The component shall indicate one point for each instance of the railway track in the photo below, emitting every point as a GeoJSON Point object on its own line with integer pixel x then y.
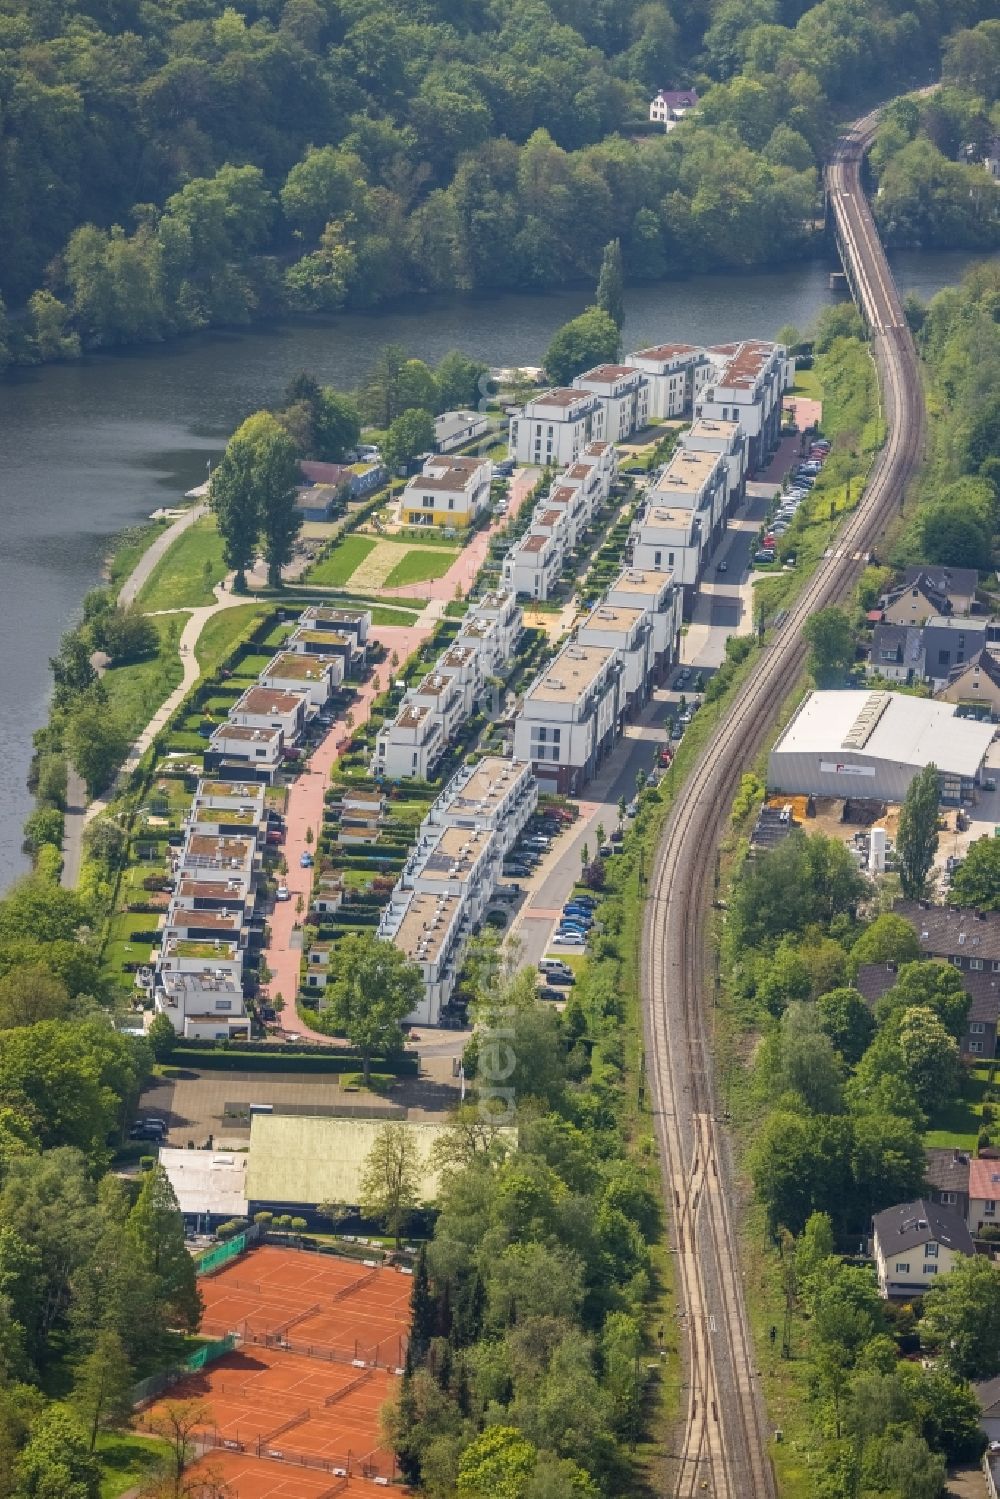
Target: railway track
{"type": "Point", "coordinates": [723, 1450]}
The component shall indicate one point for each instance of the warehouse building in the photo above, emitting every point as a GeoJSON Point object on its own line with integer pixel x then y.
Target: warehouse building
{"type": "Point", "coordinates": [872, 744]}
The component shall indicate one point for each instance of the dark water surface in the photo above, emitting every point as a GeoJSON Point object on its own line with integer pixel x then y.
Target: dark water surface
{"type": "Point", "coordinates": [90, 448]}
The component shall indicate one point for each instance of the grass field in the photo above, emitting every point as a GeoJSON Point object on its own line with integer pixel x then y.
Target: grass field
{"type": "Point", "coordinates": [335, 569]}
{"type": "Point", "coordinates": [957, 1127]}
{"type": "Point", "coordinates": [128, 1462]}
{"type": "Point", "coordinates": [420, 565]}
{"type": "Point", "coordinates": [185, 577]}
{"type": "Point", "coordinates": [221, 633]}
{"type": "Point", "coordinates": [129, 548]}
{"type": "Point", "coordinates": [136, 691]}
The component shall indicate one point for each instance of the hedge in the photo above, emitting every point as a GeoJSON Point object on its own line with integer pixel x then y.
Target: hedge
{"type": "Point", "coordinates": [285, 1059]}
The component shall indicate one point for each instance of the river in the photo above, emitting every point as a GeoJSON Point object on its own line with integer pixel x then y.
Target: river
{"type": "Point", "coordinates": [87, 449]}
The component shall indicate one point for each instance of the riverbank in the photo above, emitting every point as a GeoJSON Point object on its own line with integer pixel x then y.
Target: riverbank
{"type": "Point", "coordinates": [88, 451]}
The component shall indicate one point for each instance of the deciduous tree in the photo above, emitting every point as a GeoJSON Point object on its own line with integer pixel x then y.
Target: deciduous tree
{"type": "Point", "coordinates": [390, 1180]}
{"type": "Point", "coordinates": [102, 1387]}
{"type": "Point", "coordinates": [155, 1230]}
{"type": "Point", "coordinates": [976, 881]}
{"type": "Point", "coordinates": [917, 838]}
{"type": "Point", "coordinates": [961, 1318]}
{"type": "Point", "coordinates": [592, 338]}
{"type": "Point", "coordinates": [371, 987]}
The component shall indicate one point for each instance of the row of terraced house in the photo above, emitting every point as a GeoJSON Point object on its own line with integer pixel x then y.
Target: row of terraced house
{"type": "Point", "coordinates": [213, 920]}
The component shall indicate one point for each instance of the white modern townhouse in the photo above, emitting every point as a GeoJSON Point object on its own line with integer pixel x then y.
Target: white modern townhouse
{"type": "Point", "coordinates": [495, 795]}
{"type": "Point", "coordinates": [493, 626]}
{"type": "Point", "coordinates": [463, 665]}
{"type": "Point", "coordinates": [411, 745]}
{"type": "Point", "coordinates": [570, 717]}
{"type": "Point", "coordinates": [461, 862]}
{"type": "Point", "coordinates": [624, 396]}
{"type": "Point", "coordinates": [265, 708]}
{"type": "Point", "coordinates": [428, 930]}
{"type": "Point", "coordinates": [674, 375]}
{"type": "Point", "coordinates": [626, 629]}
{"type": "Point", "coordinates": [670, 541]}
{"type": "Point", "coordinates": [699, 482]}
{"type": "Point", "coordinates": [206, 1005]}
{"type": "Point", "coordinates": [748, 386]}
{"type": "Point", "coordinates": [727, 440]}
{"type": "Point", "coordinates": [658, 594]}
{"type": "Point", "coordinates": [449, 491]}
{"type": "Point", "coordinates": [236, 753]}
{"type": "Point", "coordinates": [553, 428]}
{"type": "Point", "coordinates": [533, 566]}
{"type": "Point", "coordinates": [300, 671]}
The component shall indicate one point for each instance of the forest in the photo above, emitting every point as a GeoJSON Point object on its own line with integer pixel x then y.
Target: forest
{"type": "Point", "coordinates": [169, 166]}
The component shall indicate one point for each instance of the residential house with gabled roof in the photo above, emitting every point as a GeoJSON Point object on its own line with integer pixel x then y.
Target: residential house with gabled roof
{"type": "Point", "coordinates": [975, 684]}
{"type": "Point", "coordinates": [957, 584]}
{"type": "Point", "coordinates": [914, 1243]}
{"type": "Point", "coordinates": [988, 1395]}
{"type": "Point", "coordinates": [670, 106]}
{"type": "Point", "coordinates": [897, 652]}
{"type": "Point", "coordinates": [946, 1176]}
{"type": "Point", "coordinates": [984, 1194]}
{"type": "Point", "coordinates": [915, 601]}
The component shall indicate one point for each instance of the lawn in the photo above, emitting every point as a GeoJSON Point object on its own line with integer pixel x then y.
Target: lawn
{"type": "Point", "coordinates": [127, 1462]}
{"type": "Point", "coordinates": [957, 1127]}
{"type": "Point", "coordinates": [222, 631]}
{"type": "Point", "coordinates": [336, 568]}
{"type": "Point", "coordinates": [129, 547]}
{"type": "Point", "coordinates": [136, 691]}
{"type": "Point", "coordinates": [420, 565]}
{"type": "Point", "coordinates": [184, 578]}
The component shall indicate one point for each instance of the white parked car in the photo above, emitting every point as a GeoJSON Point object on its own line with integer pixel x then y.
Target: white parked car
{"type": "Point", "coordinates": [281, 893]}
{"type": "Point", "coordinates": [563, 939]}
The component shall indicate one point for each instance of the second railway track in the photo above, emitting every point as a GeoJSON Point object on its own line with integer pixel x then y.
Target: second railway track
{"type": "Point", "coordinates": [723, 1449]}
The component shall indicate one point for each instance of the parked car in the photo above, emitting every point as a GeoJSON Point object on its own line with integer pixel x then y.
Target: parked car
{"type": "Point", "coordinates": [632, 809]}
{"type": "Point", "coordinates": [552, 966]}
{"type": "Point", "coordinates": [766, 554]}
{"type": "Point", "coordinates": [150, 1128]}
{"type": "Point", "coordinates": [569, 939]}
{"type": "Point", "coordinates": [583, 899]}
{"type": "Point", "coordinates": [545, 992]}
{"type": "Point", "coordinates": [507, 892]}
{"type": "Point", "coordinates": [281, 893]}
{"type": "Point", "coordinates": [562, 978]}
{"type": "Point", "coordinates": [579, 914]}
{"type": "Point", "coordinates": [722, 567]}
{"type": "Point", "coordinates": [306, 859]}
{"type": "Point", "coordinates": [573, 928]}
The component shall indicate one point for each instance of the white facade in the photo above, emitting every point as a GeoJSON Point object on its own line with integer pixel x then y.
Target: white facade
{"type": "Point", "coordinates": [553, 428]}
{"type": "Point", "coordinates": [202, 1003]}
{"type": "Point", "coordinates": [454, 861]}
{"type": "Point", "coordinates": [727, 440]}
{"type": "Point", "coordinates": [627, 630]}
{"type": "Point", "coordinates": [570, 717]}
{"type": "Point", "coordinates": [412, 745]}
{"type": "Point", "coordinates": [493, 626]}
{"type": "Point", "coordinates": [748, 387]}
{"type": "Point", "coordinates": [495, 795]}
{"type": "Point", "coordinates": [427, 929]}
{"type": "Point", "coordinates": [294, 671]}
{"type": "Point", "coordinates": [258, 749]}
{"type": "Point", "coordinates": [448, 492]}
{"type": "Point", "coordinates": [463, 665]}
{"type": "Point", "coordinates": [695, 481]}
{"type": "Point", "coordinates": [670, 541]}
{"type": "Point", "coordinates": [657, 593]}
{"type": "Point", "coordinates": [453, 428]}
{"type": "Point", "coordinates": [576, 504]}
{"type": "Point", "coordinates": [624, 397]}
{"type": "Point", "coordinates": [533, 566]}
{"type": "Point", "coordinates": [263, 708]}
{"type": "Point", "coordinates": [670, 371]}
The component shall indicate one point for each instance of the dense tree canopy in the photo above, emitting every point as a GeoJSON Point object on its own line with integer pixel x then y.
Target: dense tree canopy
{"type": "Point", "coordinates": [187, 163]}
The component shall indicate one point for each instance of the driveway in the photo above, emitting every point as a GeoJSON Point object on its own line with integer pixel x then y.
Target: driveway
{"type": "Point", "coordinates": [724, 602]}
{"type": "Point", "coordinates": [551, 883]}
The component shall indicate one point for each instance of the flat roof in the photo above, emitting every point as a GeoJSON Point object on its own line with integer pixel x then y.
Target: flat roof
{"type": "Point", "coordinates": [562, 396]}
{"type": "Point", "coordinates": [454, 854]}
{"type": "Point", "coordinates": [293, 666]}
{"type": "Point", "coordinates": [564, 494]}
{"type": "Point", "coordinates": [412, 715]}
{"type": "Point", "coordinates": [266, 700]}
{"type": "Point", "coordinates": [481, 789]}
{"type": "Point", "coordinates": [567, 678]}
{"type": "Point", "coordinates": [327, 614]}
{"type": "Point", "coordinates": [887, 726]}
{"type": "Point", "coordinates": [610, 374]}
{"type": "Point", "coordinates": [662, 515]}
{"type": "Point", "coordinates": [493, 601]}
{"type": "Point", "coordinates": [213, 921]}
{"type": "Point", "coordinates": [639, 580]}
{"type": "Point", "coordinates": [458, 655]}
{"type": "Point", "coordinates": [241, 733]}
{"type": "Point", "coordinates": [211, 845]}
{"type": "Point", "coordinates": [308, 1160]}
{"type": "Point", "coordinates": [536, 541]}
{"type": "Point", "coordinates": [235, 888]}
{"type": "Point", "coordinates": [617, 618]}
{"type": "Point", "coordinates": [435, 683]}
{"type": "Point", "coordinates": [324, 637]}
{"type": "Point", "coordinates": [663, 353]}
{"type": "Point", "coordinates": [249, 791]}
{"type": "Point", "coordinates": [423, 925]}
{"type": "Point", "coordinates": [207, 1181]}
{"type": "Point", "coordinates": [711, 426]}
{"type": "Point", "coordinates": [688, 469]}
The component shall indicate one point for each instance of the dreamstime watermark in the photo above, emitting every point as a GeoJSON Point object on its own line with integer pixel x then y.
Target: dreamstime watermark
{"type": "Point", "coordinates": [497, 1055]}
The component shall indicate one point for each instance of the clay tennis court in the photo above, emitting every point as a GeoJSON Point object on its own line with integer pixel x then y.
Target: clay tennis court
{"type": "Point", "coordinates": [338, 1308]}
{"type": "Point", "coordinates": [258, 1478]}
{"type": "Point", "coordinates": [294, 1412]}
